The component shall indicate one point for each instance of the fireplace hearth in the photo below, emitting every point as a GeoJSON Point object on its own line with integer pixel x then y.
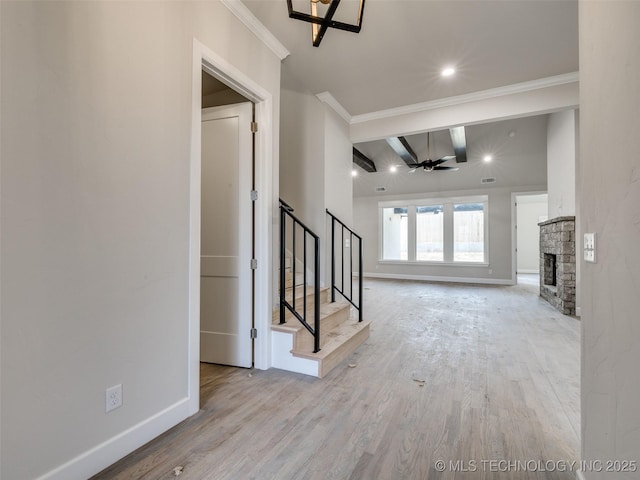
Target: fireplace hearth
{"type": "Point", "coordinates": [558, 263]}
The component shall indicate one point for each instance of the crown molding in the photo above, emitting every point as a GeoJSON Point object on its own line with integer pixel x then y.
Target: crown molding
{"type": "Point", "coordinates": [240, 10]}
{"type": "Point", "coordinates": [469, 97]}
{"type": "Point", "coordinates": [330, 100]}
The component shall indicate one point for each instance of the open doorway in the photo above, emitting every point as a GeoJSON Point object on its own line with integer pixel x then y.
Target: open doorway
{"type": "Point", "coordinates": [226, 231]}
{"type": "Point", "coordinates": [236, 86]}
{"type": "Point", "coordinates": [530, 210]}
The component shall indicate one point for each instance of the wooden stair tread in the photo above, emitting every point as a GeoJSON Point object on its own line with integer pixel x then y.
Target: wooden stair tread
{"type": "Point", "coordinates": [337, 338]}
{"type": "Point", "coordinates": [293, 325]}
{"type": "Point", "coordinates": [300, 291]}
{"type": "Point", "coordinates": [344, 341]}
{"type": "Point", "coordinates": [289, 281]}
{"type": "Point", "coordinates": [324, 296]}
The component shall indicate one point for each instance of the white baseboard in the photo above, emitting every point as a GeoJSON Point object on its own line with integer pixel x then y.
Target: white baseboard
{"type": "Point", "coordinates": [524, 270]}
{"type": "Point", "coordinates": [431, 278]}
{"type": "Point", "coordinates": [101, 456]}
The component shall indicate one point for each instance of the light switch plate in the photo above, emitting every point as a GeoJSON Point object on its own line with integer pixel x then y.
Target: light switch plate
{"type": "Point", "coordinates": [589, 247]}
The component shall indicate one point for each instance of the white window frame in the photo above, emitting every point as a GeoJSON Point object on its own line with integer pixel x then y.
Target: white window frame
{"type": "Point", "coordinates": [447, 203]}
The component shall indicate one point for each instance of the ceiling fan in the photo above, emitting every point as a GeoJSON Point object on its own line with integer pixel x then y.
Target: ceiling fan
{"type": "Point", "coordinates": [429, 165]}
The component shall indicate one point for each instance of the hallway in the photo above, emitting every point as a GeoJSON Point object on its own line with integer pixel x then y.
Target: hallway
{"type": "Point", "coordinates": [471, 375]}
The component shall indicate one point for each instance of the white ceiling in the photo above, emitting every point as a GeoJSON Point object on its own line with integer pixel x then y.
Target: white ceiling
{"type": "Point", "coordinates": [396, 61]}
{"type": "Point", "coordinates": [518, 160]}
{"type": "Point", "coordinates": [397, 57]}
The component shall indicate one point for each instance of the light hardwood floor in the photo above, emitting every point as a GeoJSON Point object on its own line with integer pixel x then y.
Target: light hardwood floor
{"type": "Point", "coordinates": [456, 373]}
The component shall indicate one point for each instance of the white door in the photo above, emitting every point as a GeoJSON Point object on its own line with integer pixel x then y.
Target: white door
{"type": "Point", "coordinates": [226, 236]}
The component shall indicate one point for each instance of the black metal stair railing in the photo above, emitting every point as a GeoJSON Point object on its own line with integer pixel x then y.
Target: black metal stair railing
{"type": "Point", "coordinates": [341, 288]}
{"type": "Point", "coordinates": [298, 252]}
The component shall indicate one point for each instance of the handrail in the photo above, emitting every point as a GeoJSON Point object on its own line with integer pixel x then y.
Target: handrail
{"type": "Point", "coordinates": [334, 287]}
{"type": "Point", "coordinates": [286, 211]}
{"type": "Point", "coordinates": [286, 205]}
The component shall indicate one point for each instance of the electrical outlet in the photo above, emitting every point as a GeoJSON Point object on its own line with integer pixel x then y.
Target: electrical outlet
{"type": "Point", "coordinates": [113, 398]}
{"type": "Point", "coordinates": [347, 243]}
{"type": "Point", "coordinates": [589, 247]}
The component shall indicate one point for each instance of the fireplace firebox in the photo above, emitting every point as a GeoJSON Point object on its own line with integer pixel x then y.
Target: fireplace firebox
{"type": "Point", "coordinates": [549, 270]}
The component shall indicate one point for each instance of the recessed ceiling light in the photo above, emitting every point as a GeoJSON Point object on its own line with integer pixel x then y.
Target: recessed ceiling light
{"type": "Point", "coordinates": [448, 71]}
{"type": "Point", "coordinates": [393, 169]}
{"type": "Point", "coordinates": [487, 158]}
{"type": "Point", "coordinates": [354, 173]}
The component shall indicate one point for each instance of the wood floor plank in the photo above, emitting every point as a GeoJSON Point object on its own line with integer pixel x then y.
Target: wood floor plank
{"type": "Point", "coordinates": [457, 373]}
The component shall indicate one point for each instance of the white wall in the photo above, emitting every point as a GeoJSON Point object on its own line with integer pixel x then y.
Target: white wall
{"type": "Point", "coordinates": [561, 163]}
{"type": "Point", "coordinates": [96, 110]}
{"type": "Point", "coordinates": [338, 163]}
{"type": "Point", "coordinates": [610, 207]}
{"type": "Point", "coordinates": [529, 210]}
{"type": "Point", "coordinates": [302, 170]}
{"type": "Point", "coordinates": [500, 260]}
{"type": "Point", "coordinates": [315, 164]}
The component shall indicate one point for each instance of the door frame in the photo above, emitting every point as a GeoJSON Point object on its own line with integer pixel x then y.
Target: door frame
{"type": "Point", "coordinates": [216, 66]}
{"type": "Point", "coordinates": [514, 233]}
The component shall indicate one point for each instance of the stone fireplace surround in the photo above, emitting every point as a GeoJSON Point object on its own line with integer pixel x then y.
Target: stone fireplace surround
{"type": "Point", "coordinates": [558, 263]}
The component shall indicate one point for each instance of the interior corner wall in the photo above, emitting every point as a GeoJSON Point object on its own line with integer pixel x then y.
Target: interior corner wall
{"type": "Point", "coordinates": [561, 163]}
{"type": "Point", "coordinates": [578, 187]}
{"type": "Point", "coordinates": [338, 191]}
{"type": "Point", "coordinates": [338, 164]}
{"type": "Point", "coordinates": [315, 163]}
{"type": "Point", "coordinates": [96, 143]}
{"type": "Point", "coordinates": [610, 207]}
{"type": "Point", "coordinates": [302, 172]}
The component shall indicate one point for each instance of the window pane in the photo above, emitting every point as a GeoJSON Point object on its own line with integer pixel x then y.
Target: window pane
{"type": "Point", "coordinates": [429, 233]}
{"type": "Point", "coordinates": [394, 233]}
{"type": "Point", "coordinates": [468, 232]}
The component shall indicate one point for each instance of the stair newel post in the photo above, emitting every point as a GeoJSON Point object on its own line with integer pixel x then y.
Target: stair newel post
{"type": "Point", "coordinates": [316, 287]}
{"type": "Point", "coordinates": [350, 263]}
{"type": "Point", "coordinates": [342, 289]}
{"type": "Point", "coordinates": [333, 259]}
{"type": "Point", "coordinates": [360, 280]}
{"type": "Point", "coordinates": [282, 263]}
{"type": "Point", "coordinates": [304, 276]}
{"type": "Point", "coordinates": [293, 264]}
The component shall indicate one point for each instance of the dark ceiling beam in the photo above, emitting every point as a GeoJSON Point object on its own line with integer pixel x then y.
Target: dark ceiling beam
{"type": "Point", "coordinates": [403, 150]}
{"type": "Point", "coordinates": [363, 161]}
{"type": "Point", "coordinates": [459, 140]}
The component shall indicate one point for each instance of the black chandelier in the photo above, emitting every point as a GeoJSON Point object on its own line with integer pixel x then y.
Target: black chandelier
{"type": "Point", "coordinates": [319, 25]}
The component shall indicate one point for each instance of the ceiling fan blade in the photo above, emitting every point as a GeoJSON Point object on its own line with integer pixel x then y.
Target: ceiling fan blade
{"type": "Point", "coordinates": [446, 159]}
{"type": "Point", "coordinates": [444, 168]}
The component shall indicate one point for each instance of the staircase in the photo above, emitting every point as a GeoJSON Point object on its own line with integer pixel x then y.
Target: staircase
{"type": "Point", "coordinates": [312, 333]}
{"type": "Point", "coordinates": [340, 332]}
